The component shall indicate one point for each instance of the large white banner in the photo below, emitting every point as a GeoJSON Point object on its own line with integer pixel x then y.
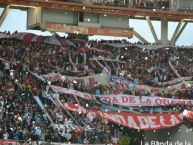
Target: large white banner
{"type": "Point", "coordinates": [129, 100]}
{"type": "Point", "coordinates": [170, 89]}
{"type": "Point", "coordinates": [72, 92]}
{"type": "Point", "coordinates": [126, 100]}
{"type": "Point", "coordinates": [175, 81]}
{"type": "Point", "coordinates": [100, 78]}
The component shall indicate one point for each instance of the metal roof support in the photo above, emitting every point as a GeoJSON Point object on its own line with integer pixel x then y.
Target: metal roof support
{"type": "Point", "coordinates": [4, 14]}
{"type": "Point", "coordinates": [177, 31]}
{"type": "Point", "coordinates": [141, 38]}
{"type": "Point", "coordinates": [152, 29]}
{"type": "Point", "coordinates": [180, 32]}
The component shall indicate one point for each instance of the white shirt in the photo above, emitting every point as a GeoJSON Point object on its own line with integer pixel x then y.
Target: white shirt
{"type": "Point", "coordinates": [38, 131]}
{"type": "Point", "coordinates": [6, 66]}
{"type": "Point", "coordinates": [5, 135]}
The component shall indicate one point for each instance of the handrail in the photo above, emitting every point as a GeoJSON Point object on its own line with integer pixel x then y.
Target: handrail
{"type": "Point", "coordinates": [24, 142]}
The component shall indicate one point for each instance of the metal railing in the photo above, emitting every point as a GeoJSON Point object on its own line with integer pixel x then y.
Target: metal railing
{"type": "Point", "coordinates": [23, 142]}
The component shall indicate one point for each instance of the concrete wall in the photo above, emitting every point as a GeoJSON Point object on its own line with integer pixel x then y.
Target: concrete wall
{"type": "Point", "coordinates": [33, 16]}
{"type": "Point", "coordinates": [177, 4]}
{"type": "Point", "coordinates": [114, 21]}
{"type": "Point", "coordinates": [59, 16]}
{"type": "Point", "coordinates": [185, 3]}
{"type": "Point", "coordinates": [42, 15]}
{"type": "Point", "coordinates": [82, 24]}
{"type": "Point", "coordinates": [91, 18]}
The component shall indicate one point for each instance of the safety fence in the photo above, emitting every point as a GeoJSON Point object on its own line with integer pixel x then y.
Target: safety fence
{"type": "Point", "coordinates": [24, 142]}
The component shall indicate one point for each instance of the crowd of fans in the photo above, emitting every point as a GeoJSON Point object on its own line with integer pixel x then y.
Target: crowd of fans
{"type": "Point", "coordinates": [161, 4]}
{"type": "Point", "coordinates": [150, 4]}
{"type": "Point", "coordinates": [151, 66]}
{"type": "Point", "coordinates": [21, 118]}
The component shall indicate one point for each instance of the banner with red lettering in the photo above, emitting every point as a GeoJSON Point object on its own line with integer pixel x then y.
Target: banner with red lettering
{"type": "Point", "coordinates": [137, 121]}
{"type": "Point", "coordinates": [128, 100]}
{"type": "Point", "coordinates": [143, 121]}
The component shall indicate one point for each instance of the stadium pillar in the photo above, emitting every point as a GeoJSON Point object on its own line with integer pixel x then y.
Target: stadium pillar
{"type": "Point", "coordinates": [156, 4]}
{"type": "Point", "coordinates": [164, 31]}
{"type": "Point", "coordinates": [4, 14]}
{"type": "Point", "coordinates": [130, 2]}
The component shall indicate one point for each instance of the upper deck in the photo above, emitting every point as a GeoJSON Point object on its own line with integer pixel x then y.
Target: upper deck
{"type": "Point", "coordinates": [155, 9]}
